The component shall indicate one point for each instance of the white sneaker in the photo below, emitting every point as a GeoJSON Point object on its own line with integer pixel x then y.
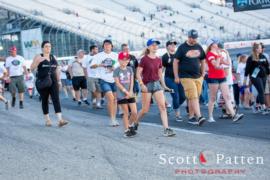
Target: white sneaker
{"type": "Point", "coordinates": [211, 119]}
{"type": "Point", "coordinates": [114, 123]}
{"type": "Point", "coordinates": [117, 123]}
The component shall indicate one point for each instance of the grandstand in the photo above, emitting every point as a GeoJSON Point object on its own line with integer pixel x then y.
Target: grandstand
{"type": "Point", "coordinates": [132, 21]}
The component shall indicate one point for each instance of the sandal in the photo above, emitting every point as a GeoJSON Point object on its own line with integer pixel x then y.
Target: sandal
{"type": "Point", "coordinates": [48, 123]}
{"type": "Point", "coordinates": [62, 123]}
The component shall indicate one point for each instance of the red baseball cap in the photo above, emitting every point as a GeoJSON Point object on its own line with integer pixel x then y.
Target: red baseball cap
{"type": "Point", "coordinates": [123, 56]}
{"type": "Point", "coordinates": [13, 48]}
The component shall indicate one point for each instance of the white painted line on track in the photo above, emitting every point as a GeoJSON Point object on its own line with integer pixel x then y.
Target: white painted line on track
{"type": "Point", "coordinates": [177, 129]}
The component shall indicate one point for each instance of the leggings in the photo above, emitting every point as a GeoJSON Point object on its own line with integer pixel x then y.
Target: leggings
{"type": "Point", "coordinates": [52, 91]}
{"type": "Point", "coordinates": [259, 83]}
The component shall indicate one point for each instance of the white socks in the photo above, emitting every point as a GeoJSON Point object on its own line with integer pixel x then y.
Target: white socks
{"type": "Point", "coordinates": [59, 116]}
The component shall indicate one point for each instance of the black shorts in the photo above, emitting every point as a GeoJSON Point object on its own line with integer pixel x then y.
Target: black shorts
{"type": "Point", "coordinates": [127, 101]}
{"type": "Point", "coordinates": [79, 83]}
{"type": "Point", "coordinates": [216, 81]}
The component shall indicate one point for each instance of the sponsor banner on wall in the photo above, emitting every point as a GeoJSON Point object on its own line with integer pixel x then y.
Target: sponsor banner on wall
{"type": "Point", "coordinates": [247, 5]}
{"type": "Point", "coordinates": [31, 41]}
{"type": "Point", "coordinates": [245, 44]}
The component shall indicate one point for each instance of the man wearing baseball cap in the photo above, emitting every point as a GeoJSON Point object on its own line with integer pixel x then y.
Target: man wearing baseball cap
{"type": "Point", "coordinates": [16, 69]}
{"type": "Point", "coordinates": [189, 69]}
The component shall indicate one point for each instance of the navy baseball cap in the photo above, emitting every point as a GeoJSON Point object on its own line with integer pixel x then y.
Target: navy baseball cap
{"type": "Point", "coordinates": [193, 34]}
{"type": "Point", "coordinates": [152, 41]}
{"type": "Point", "coordinates": [171, 42]}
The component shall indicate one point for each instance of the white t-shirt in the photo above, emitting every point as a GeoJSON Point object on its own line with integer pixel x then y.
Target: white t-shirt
{"type": "Point", "coordinates": [92, 73]}
{"type": "Point", "coordinates": [15, 65]}
{"type": "Point", "coordinates": [108, 61]}
{"type": "Point", "coordinates": [76, 67]}
{"type": "Point", "coordinates": [2, 70]}
{"type": "Point", "coordinates": [63, 74]}
{"type": "Point", "coordinates": [241, 71]}
{"type": "Point", "coordinates": [29, 80]}
{"type": "Point", "coordinates": [230, 76]}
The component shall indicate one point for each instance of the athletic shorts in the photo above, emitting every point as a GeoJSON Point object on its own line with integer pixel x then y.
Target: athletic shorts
{"type": "Point", "coordinates": [127, 101]}
{"type": "Point", "coordinates": [106, 86]}
{"type": "Point", "coordinates": [192, 87]}
{"type": "Point", "coordinates": [17, 83]}
{"type": "Point", "coordinates": [216, 81]}
{"type": "Point", "coordinates": [79, 83]}
{"type": "Point", "coordinates": [93, 84]}
{"type": "Point", "coordinates": [153, 87]}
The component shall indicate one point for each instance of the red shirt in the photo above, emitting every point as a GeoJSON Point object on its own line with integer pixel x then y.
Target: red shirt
{"type": "Point", "coordinates": [150, 69]}
{"type": "Point", "coordinates": [213, 72]}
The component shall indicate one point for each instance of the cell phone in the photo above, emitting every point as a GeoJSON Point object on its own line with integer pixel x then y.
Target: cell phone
{"type": "Point", "coordinates": [170, 90]}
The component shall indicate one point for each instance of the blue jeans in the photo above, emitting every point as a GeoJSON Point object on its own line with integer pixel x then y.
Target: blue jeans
{"type": "Point", "coordinates": [178, 97]}
{"type": "Point", "coordinates": [204, 95]}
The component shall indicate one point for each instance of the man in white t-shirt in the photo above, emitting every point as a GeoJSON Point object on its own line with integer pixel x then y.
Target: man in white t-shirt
{"type": "Point", "coordinates": [3, 74]}
{"type": "Point", "coordinates": [66, 81]}
{"type": "Point", "coordinates": [79, 82]}
{"type": "Point", "coordinates": [16, 68]}
{"type": "Point", "coordinates": [92, 77]}
{"type": "Point", "coordinates": [105, 62]}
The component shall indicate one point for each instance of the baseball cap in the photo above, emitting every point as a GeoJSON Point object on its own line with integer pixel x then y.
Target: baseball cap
{"type": "Point", "coordinates": [211, 41]}
{"type": "Point", "coordinates": [107, 41]}
{"type": "Point", "coordinates": [193, 34]}
{"type": "Point", "coordinates": [152, 41]}
{"type": "Point", "coordinates": [123, 56]}
{"type": "Point", "coordinates": [80, 50]}
{"type": "Point", "coordinates": [171, 42]}
{"type": "Point", "coordinates": [13, 48]}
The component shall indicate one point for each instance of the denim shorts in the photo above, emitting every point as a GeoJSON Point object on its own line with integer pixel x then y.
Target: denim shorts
{"type": "Point", "coordinates": [106, 86]}
{"type": "Point", "coordinates": [216, 81]}
{"type": "Point", "coordinates": [153, 87]}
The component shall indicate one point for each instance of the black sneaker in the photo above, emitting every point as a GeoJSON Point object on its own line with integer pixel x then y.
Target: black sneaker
{"type": "Point", "coordinates": [132, 130]}
{"type": "Point", "coordinates": [135, 126]}
{"type": "Point", "coordinates": [178, 119]}
{"type": "Point", "coordinates": [31, 97]}
{"type": "Point", "coordinates": [86, 102]}
{"type": "Point", "coordinates": [13, 102]}
{"type": "Point", "coordinates": [237, 117]}
{"type": "Point", "coordinates": [201, 120]}
{"type": "Point", "coordinates": [21, 105]}
{"type": "Point", "coordinates": [79, 103]}
{"type": "Point", "coordinates": [128, 133]}
{"type": "Point", "coordinates": [225, 116]}
{"type": "Point", "coordinates": [193, 121]}
{"type": "Point", "coordinates": [74, 99]}
{"type": "Point", "coordinates": [168, 132]}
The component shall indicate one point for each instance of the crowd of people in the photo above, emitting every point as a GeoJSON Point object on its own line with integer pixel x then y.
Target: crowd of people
{"type": "Point", "coordinates": [188, 72]}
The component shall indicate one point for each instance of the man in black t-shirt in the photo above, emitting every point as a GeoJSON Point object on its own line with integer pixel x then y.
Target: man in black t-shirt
{"type": "Point", "coordinates": [189, 69]}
